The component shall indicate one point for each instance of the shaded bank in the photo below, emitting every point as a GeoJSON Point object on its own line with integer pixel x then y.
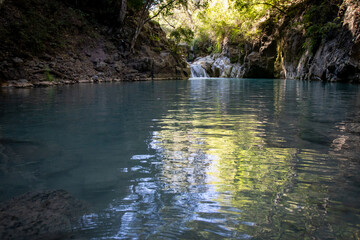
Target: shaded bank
{"type": "Point", "coordinates": [51, 42]}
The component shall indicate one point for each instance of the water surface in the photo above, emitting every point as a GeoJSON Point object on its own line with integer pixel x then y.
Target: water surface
{"type": "Point", "coordinates": [198, 159]}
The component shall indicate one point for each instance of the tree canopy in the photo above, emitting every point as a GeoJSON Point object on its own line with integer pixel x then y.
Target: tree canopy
{"type": "Point", "coordinates": [207, 24]}
{"type": "Point", "coordinates": [219, 21]}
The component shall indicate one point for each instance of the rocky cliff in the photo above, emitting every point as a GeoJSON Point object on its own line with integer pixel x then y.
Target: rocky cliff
{"type": "Point", "coordinates": [337, 56]}
{"type": "Point", "coordinates": [316, 40]}
{"type": "Point", "coordinates": [50, 42]}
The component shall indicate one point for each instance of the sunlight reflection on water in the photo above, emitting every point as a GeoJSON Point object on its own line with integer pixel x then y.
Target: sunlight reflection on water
{"type": "Point", "coordinates": [199, 159]}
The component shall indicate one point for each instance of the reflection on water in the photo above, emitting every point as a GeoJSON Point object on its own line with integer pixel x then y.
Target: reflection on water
{"type": "Point", "coordinates": [200, 159]}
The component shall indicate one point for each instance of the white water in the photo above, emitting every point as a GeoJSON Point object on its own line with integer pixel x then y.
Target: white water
{"type": "Point", "coordinates": [217, 66]}
{"type": "Point", "coordinates": [197, 71]}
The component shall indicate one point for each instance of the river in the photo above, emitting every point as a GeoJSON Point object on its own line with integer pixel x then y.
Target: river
{"type": "Point", "coordinates": [197, 159]}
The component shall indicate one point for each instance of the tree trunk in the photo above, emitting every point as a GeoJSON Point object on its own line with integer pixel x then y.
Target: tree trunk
{"type": "Point", "coordinates": [141, 22]}
{"type": "Point", "coordinates": [144, 18]}
{"type": "Point", "coordinates": [122, 13]}
{"type": "Point", "coordinates": [136, 35]}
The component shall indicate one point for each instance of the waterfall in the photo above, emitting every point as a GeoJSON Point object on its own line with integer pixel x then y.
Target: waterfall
{"type": "Point", "coordinates": [216, 65]}
{"type": "Point", "coordinates": [197, 71]}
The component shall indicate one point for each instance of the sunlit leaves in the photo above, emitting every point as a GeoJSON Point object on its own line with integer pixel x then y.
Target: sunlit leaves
{"type": "Point", "coordinates": [181, 33]}
{"type": "Point", "coordinates": [216, 20]}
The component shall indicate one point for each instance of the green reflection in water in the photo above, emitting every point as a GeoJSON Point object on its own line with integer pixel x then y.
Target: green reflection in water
{"type": "Point", "coordinates": [279, 192]}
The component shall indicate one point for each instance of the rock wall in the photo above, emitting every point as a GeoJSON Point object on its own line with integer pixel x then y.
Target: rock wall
{"type": "Point", "coordinates": [337, 59]}
{"type": "Point", "coordinates": [284, 51]}
{"type": "Point", "coordinates": [84, 51]}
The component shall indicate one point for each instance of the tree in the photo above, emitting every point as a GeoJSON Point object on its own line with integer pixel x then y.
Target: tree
{"type": "Point", "coordinates": [217, 23]}
{"type": "Point", "coordinates": [278, 5]}
{"type": "Point", "coordinates": [122, 13]}
{"type": "Point", "coordinates": [159, 6]}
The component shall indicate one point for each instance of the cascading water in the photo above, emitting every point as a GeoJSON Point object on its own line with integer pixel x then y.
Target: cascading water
{"type": "Point", "coordinates": [216, 66]}
{"type": "Point", "coordinates": [197, 71]}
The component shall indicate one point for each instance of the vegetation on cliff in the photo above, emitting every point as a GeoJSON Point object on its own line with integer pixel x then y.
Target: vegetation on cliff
{"type": "Point", "coordinates": [273, 38]}
{"type": "Point", "coordinates": [270, 30]}
{"type": "Point", "coordinates": [212, 24]}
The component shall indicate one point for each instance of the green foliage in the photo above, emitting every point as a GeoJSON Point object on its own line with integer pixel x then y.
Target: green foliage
{"type": "Point", "coordinates": [220, 21]}
{"type": "Point", "coordinates": [157, 49]}
{"type": "Point", "coordinates": [48, 76]}
{"type": "Point", "coordinates": [319, 14]}
{"type": "Point", "coordinates": [182, 34]}
{"type": "Point", "coordinates": [321, 23]}
{"type": "Point", "coordinates": [154, 37]}
{"type": "Point", "coordinates": [203, 44]}
{"type": "Point", "coordinates": [259, 7]}
{"type": "Point", "coordinates": [218, 48]}
{"type": "Point", "coordinates": [178, 37]}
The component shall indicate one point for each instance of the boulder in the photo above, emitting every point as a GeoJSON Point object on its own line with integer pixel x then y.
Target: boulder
{"type": "Point", "coordinates": [206, 63]}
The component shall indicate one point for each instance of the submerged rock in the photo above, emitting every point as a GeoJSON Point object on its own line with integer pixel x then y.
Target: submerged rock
{"type": "Point", "coordinates": [348, 140]}
{"type": "Point", "coordinates": [40, 215]}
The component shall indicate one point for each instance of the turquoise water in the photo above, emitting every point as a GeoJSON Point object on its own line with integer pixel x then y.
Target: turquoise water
{"type": "Point", "coordinates": [197, 159]}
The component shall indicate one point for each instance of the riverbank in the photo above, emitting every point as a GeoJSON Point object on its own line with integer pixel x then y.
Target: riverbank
{"type": "Point", "coordinates": [23, 83]}
{"type": "Point", "coordinates": [47, 43]}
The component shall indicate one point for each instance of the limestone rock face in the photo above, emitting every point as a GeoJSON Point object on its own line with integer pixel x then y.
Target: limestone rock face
{"type": "Point", "coordinates": [257, 66]}
{"type": "Point", "coordinates": [285, 51]}
{"type": "Point", "coordinates": [39, 215]}
{"type": "Point", "coordinates": [282, 52]}
{"type": "Point", "coordinates": [336, 59]}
